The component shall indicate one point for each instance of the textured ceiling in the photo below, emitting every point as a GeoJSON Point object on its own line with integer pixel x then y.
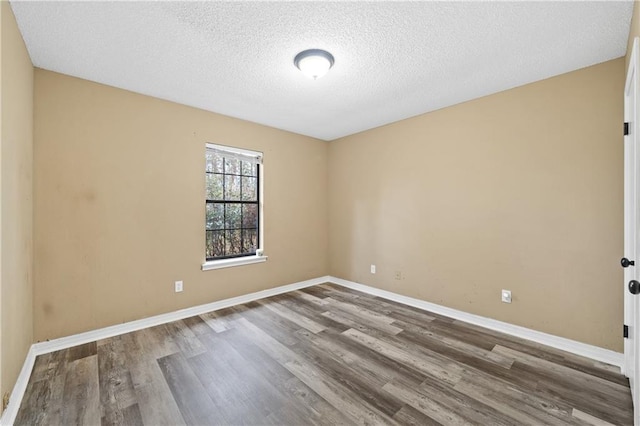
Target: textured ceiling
{"type": "Point", "coordinates": [393, 60]}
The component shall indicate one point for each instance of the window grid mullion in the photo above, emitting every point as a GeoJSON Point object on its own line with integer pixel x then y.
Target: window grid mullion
{"type": "Point", "coordinates": [225, 232]}
{"type": "Point", "coordinates": [241, 212]}
{"type": "Point", "coordinates": [224, 207]}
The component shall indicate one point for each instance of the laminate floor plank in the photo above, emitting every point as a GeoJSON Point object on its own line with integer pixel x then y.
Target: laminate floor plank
{"type": "Point", "coordinates": [185, 338]}
{"type": "Point", "coordinates": [425, 405]}
{"type": "Point", "coordinates": [316, 291]}
{"type": "Point", "coordinates": [131, 416]}
{"type": "Point", "coordinates": [321, 355]}
{"type": "Point", "coordinates": [233, 401]}
{"type": "Point", "coordinates": [311, 310]}
{"type": "Point", "coordinates": [456, 331]}
{"type": "Point", "coordinates": [410, 416]}
{"type": "Point", "coordinates": [561, 373]}
{"type": "Point", "coordinates": [557, 356]}
{"type": "Point", "coordinates": [293, 316]}
{"type": "Point", "coordinates": [50, 365]}
{"type": "Point", "coordinates": [216, 321]}
{"type": "Point", "coordinates": [260, 388]}
{"type": "Point", "coordinates": [157, 341]}
{"type": "Point", "coordinates": [438, 349]}
{"type": "Point", "coordinates": [155, 401]}
{"type": "Point", "coordinates": [447, 372]}
{"type": "Point", "coordinates": [329, 388]}
{"type": "Point", "coordinates": [81, 393]}
{"type": "Point", "coordinates": [349, 320]}
{"type": "Point", "coordinates": [315, 408]}
{"type": "Point", "coordinates": [378, 305]}
{"type": "Point", "coordinates": [472, 409]}
{"type": "Point", "coordinates": [452, 347]}
{"type": "Point", "coordinates": [352, 356]}
{"type": "Point", "coordinates": [280, 328]}
{"type": "Point", "coordinates": [45, 392]}
{"type": "Point", "coordinates": [307, 297]}
{"type": "Point", "coordinates": [192, 399]}
{"type": "Point", "coordinates": [594, 421]}
{"type": "Point", "coordinates": [525, 408]}
{"type": "Point", "coordinates": [368, 387]}
{"type": "Point", "coordinates": [367, 360]}
{"type": "Point", "coordinates": [197, 325]}
{"type": "Point", "coordinates": [43, 407]}
{"type": "Point", "coordinates": [361, 312]}
{"type": "Point", "coordinates": [585, 402]}
{"type": "Point", "coordinates": [412, 318]}
{"type": "Point", "coordinates": [320, 411]}
{"type": "Point", "coordinates": [81, 351]}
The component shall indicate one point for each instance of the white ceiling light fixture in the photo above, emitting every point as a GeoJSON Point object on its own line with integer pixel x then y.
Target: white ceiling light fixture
{"type": "Point", "coordinates": [314, 63]}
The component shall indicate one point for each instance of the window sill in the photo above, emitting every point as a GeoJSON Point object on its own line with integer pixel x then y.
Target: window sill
{"type": "Point", "coordinates": [228, 263]}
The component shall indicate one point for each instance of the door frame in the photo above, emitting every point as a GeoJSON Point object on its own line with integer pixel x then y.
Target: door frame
{"type": "Point", "coordinates": [631, 366]}
{"type": "Point", "coordinates": [629, 176]}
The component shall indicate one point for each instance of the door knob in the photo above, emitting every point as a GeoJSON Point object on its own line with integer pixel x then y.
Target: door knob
{"type": "Point", "coordinates": [634, 287]}
{"type": "Point", "coordinates": [626, 262]}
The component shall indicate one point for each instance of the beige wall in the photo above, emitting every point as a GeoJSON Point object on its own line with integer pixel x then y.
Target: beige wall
{"type": "Point", "coordinates": [520, 190]}
{"type": "Point", "coordinates": [119, 206]}
{"type": "Point", "coordinates": [16, 200]}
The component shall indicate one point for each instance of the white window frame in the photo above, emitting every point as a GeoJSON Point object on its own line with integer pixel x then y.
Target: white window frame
{"type": "Point", "coordinates": [259, 257]}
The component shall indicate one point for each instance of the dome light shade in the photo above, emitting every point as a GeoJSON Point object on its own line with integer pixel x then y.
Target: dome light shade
{"type": "Point", "coordinates": [314, 63]}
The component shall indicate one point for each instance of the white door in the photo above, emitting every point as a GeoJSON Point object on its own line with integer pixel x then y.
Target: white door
{"type": "Point", "coordinates": [630, 261]}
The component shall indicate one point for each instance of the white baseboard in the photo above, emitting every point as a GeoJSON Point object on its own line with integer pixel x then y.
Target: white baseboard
{"type": "Point", "coordinates": [9, 416]}
{"type": "Point", "coordinates": [572, 346]}
{"type": "Point", "coordinates": [115, 330]}
{"type": "Point", "coordinates": [568, 345]}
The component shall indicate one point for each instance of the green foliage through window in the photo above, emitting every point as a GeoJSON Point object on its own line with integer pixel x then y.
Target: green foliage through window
{"type": "Point", "coordinates": [232, 206]}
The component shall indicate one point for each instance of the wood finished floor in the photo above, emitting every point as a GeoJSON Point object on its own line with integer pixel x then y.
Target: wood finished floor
{"type": "Point", "coordinates": [322, 355]}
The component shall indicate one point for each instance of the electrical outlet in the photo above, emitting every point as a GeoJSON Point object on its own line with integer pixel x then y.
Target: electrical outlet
{"type": "Point", "coordinates": [178, 286]}
{"type": "Point", "coordinates": [373, 269]}
{"type": "Point", "coordinates": [506, 296]}
{"type": "Point", "coordinates": [5, 401]}
{"type": "Point", "coordinates": [398, 275]}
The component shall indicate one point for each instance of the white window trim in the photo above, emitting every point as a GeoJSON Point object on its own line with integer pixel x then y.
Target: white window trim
{"type": "Point", "coordinates": [234, 261]}
{"type": "Point", "coordinates": [259, 257]}
{"type": "Point", "coordinates": [242, 154]}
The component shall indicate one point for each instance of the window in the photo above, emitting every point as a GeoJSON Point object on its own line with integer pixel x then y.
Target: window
{"type": "Point", "coordinates": [233, 206]}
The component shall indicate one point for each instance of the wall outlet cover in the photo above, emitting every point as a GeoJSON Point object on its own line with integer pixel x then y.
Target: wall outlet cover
{"type": "Point", "coordinates": [506, 296]}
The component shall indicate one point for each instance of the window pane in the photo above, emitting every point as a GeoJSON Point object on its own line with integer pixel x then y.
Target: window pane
{"type": "Point", "coordinates": [232, 166]}
{"type": "Point", "coordinates": [233, 219]}
{"type": "Point", "coordinates": [232, 187]}
{"type": "Point", "coordinates": [215, 216]}
{"type": "Point", "coordinates": [215, 244]}
{"type": "Point", "coordinates": [231, 226]}
{"type": "Point", "coordinates": [250, 216]}
{"type": "Point", "coordinates": [234, 245]}
{"type": "Point", "coordinates": [209, 162]}
{"type": "Point", "coordinates": [248, 169]}
{"type": "Point", "coordinates": [214, 186]}
{"type": "Point", "coordinates": [214, 163]}
{"type": "Point", "coordinates": [249, 240]}
{"type": "Point", "coordinates": [249, 189]}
